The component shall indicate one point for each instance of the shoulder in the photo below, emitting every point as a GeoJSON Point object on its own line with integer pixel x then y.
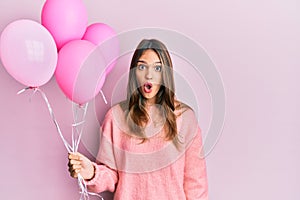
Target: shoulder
{"type": "Point", "coordinates": [115, 110]}
{"type": "Point", "coordinates": [115, 118]}
{"type": "Point", "coordinates": [186, 119]}
{"type": "Point", "coordinates": [182, 108]}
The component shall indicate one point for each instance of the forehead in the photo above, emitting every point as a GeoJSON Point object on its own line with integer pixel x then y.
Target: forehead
{"type": "Point", "coordinates": [149, 56]}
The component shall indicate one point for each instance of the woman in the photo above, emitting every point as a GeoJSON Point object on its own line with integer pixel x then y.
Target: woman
{"type": "Point", "coordinates": [150, 144]}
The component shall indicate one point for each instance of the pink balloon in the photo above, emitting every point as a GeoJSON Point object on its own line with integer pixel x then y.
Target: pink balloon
{"type": "Point", "coordinates": [80, 70]}
{"type": "Point", "coordinates": [28, 52]}
{"type": "Point", "coordinates": [65, 19]}
{"type": "Point", "coordinates": [105, 37]}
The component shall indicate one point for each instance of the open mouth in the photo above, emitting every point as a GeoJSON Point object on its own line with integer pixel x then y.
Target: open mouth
{"type": "Point", "coordinates": [147, 87]}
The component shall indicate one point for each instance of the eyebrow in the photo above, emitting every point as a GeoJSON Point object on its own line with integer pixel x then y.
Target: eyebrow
{"type": "Point", "coordinates": [142, 61]}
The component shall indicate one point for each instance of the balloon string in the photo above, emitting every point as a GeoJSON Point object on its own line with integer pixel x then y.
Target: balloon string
{"type": "Point", "coordinates": [84, 193]}
{"type": "Point", "coordinates": [79, 120]}
{"type": "Point", "coordinates": [82, 185]}
{"type": "Point", "coordinates": [76, 124]}
{"type": "Point", "coordinates": [103, 96]}
{"type": "Point", "coordinates": [74, 129]}
{"type": "Point", "coordinates": [36, 89]}
{"type": "Point", "coordinates": [84, 115]}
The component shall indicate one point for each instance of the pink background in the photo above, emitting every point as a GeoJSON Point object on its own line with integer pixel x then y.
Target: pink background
{"type": "Point", "coordinates": [256, 48]}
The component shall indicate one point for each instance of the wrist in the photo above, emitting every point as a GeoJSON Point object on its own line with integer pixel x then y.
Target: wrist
{"type": "Point", "coordinates": [92, 174]}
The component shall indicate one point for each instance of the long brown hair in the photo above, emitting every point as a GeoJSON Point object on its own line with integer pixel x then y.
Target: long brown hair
{"type": "Point", "coordinates": [136, 114]}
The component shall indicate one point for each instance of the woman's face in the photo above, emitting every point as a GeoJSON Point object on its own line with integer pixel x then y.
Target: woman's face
{"type": "Point", "coordinates": [149, 75]}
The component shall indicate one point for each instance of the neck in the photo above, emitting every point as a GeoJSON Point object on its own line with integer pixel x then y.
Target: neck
{"type": "Point", "coordinates": [150, 102]}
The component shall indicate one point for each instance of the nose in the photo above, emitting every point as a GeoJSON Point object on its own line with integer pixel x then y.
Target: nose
{"type": "Point", "coordinates": [149, 74]}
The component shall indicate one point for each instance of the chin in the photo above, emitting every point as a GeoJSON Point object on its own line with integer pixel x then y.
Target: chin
{"type": "Point", "coordinates": [149, 97]}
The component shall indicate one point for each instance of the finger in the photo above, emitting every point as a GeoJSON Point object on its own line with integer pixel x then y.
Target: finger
{"type": "Point", "coordinates": [75, 173]}
{"type": "Point", "coordinates": [78, 154]}
{"type": "Point", "coordinates": [74, 156]}
{"type": "Point", "coordinates": [74, 162]}
{"type": "Point", "coordinates": [73, 168]}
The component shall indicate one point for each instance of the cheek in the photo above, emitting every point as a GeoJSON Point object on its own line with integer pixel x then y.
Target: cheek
{"type": "Point", "coordinates": [157, 89]}
{"type": "Point", "coordinates": [138, 77]}
{"type": "Point", "coordinates": [158, 78]}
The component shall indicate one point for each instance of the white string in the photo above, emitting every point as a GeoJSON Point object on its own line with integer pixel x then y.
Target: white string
{"type": "Point", "coordinates": [68, 147]}
{"type": "Point", "coordinates": [103, 96]}
{"type": "Point", "coordinates": [77, 123]}
{"type": "Point", "coordinates": [79, 120]}
{"type": "Point", "coordinates": [23, 90]}
{"type": "Point", "coordinates": [84, 193]}
{"type": "Point", "coordinates": [74, 128]}
{"type": "Point", "coordinates": [75, 142]}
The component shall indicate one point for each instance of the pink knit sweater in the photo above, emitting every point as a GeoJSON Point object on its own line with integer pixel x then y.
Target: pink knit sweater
{"type": "Point", "coordinates": [154, 169]}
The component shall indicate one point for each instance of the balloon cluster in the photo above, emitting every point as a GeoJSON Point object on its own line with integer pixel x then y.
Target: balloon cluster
{"type": "Point", "coordinates": [80, 57]}
{"type": "Point", "coordinates": [63, 45]}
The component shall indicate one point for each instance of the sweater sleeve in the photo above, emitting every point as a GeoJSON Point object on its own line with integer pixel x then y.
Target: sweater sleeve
{"type": "Point", "coordinates": [195, 177]}
{"type": "Point", "coordinates": [105, 179]}
{"type": "Point", "coordinates": [106, 175]}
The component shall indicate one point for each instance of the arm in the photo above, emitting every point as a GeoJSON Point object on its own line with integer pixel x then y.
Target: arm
{"type": "Point", "coordinates": [104, 179]}
{"type": "Point", "coordinates": [101, 176]}
{"type": "Point", "coordinates": [98, 178]}
{"type": "Point", "coordinates": [106, 175]}
{"type": "Point", "coordinates": [195, 178]}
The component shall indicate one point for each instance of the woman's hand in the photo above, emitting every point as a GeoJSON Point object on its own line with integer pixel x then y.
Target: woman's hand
{"type": "Point", "coordinates": [79, 164]}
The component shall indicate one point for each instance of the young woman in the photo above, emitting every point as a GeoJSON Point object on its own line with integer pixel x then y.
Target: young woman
{"type": "Point", "coordinates": [150, 144]}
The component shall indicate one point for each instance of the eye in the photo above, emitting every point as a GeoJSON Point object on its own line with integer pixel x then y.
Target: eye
{"type": "Point", "coordinates": [141, 67]}
{"type": "Point", "coordinates": [158, 68]}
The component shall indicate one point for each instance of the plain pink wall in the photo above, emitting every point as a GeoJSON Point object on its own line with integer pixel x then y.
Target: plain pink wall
{"type": "Point", "coordinates": [256, 47]}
